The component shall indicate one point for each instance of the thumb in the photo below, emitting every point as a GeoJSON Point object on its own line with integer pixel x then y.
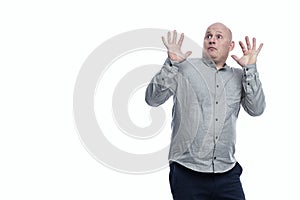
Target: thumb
{"type": "Point", "coordinates": [187, 54]}
{"type": "Point", "coordinates": [235, 57]}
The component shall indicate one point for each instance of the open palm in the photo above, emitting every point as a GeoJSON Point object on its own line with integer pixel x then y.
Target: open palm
{"type": "Point", "coordinates": [250, 53]}
{"type": "Point", "coordinates": [174, 47]}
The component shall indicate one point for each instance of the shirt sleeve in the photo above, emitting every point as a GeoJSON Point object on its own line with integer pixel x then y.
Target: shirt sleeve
{"type": "Point", "coordinates": [163, 84]}
{"type": "Point", "coordinates": [253, 99]}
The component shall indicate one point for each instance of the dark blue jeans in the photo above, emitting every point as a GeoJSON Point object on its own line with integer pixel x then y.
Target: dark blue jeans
{"type": "Point", "coordinates": [187, 184]}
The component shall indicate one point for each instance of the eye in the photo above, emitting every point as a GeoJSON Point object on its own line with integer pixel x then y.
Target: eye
{"type": "Point", "coordinates": [208, 36]}
{"type": "Point", "coordinates": [219, 36]}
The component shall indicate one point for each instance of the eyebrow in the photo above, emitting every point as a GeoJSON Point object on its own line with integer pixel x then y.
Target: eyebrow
{"type": "Point", "coordinates": [219, 32]}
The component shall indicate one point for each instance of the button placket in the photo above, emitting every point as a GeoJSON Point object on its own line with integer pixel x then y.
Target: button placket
{"type": "Point", "coordinates": [216, 106]}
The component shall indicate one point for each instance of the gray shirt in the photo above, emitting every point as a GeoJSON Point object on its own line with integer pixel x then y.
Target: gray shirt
{"type": "Point", "coordinates": [206, 106]}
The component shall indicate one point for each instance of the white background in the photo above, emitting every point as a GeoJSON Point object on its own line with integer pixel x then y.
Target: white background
{"type": "Point", "coordinates": [43, 45]}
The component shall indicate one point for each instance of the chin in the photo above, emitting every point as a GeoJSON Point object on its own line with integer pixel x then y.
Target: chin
{"type": "Point", "coordinates": [212, 56]}
{"type": "Point", "coordinates": [208, 55]}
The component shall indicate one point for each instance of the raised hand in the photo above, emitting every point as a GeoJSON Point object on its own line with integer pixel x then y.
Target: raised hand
{"type": "Point", "coordinates": [249, 54]}
{"type": "Point", "coordinates": [174, 47]}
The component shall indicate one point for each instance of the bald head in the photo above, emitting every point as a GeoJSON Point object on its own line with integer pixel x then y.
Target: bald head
{"type": "Point", "coordinates": [221, 27]}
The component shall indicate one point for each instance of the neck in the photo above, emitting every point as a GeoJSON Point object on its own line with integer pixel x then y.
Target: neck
{"type": "Point", "coordinates": [220, 65]}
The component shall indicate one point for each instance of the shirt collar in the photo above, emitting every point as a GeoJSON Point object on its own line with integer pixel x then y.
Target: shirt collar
{"type": "Point", "coordinates": [210, 63]}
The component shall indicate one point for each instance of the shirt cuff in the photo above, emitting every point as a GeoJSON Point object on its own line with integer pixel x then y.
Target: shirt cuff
{"type": "Point", "coordinates": [251, 76]}
{"type": "Point", "coordinates": [171, 66]}
{"type": "Point", "coordinates": [250, 69]}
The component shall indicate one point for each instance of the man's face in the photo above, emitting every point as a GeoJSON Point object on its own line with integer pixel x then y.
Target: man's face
{"type": "Point", "coordinates": [217, 42]}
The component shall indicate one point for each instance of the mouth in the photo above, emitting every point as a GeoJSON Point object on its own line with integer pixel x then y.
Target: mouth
{"type": "Point", "coordinates": [211, 49]}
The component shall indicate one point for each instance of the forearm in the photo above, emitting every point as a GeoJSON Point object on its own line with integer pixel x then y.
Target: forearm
{"type": "Point", "coordinates": [253, 100]}
{"type": "Point", "coordinates": [163, 85]}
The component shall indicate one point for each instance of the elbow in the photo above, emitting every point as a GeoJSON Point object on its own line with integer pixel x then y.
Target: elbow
{"type": "Point", "coordinates": [150, 102]}
{"type": "Point", "coordinates": [257, 112]}
{"type": "Point", "coordinates": [255, 105]}
{"type": "Point", "coordinates": [151, 99]}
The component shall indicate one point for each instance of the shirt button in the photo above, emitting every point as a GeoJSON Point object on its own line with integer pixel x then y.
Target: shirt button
{"type": "Point", "coordinates": [217, 86]}
{"type": "Point", "coordinates": [217, 137]}
{"type": "Point", "coordinates": [216, 119]}
{"type": "Point", "coordinates": [217, 102]}
{"type": "Point", "coordinates": [247, 69]}
{"type": "Point", "coordinates": [215, 158]}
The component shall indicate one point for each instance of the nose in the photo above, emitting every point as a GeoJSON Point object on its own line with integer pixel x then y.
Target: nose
{"type": "Point", "coordinates": [212, 40]}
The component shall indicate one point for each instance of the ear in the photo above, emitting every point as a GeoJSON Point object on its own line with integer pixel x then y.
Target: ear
{"type": "Point", "coordinates": [231, 45]}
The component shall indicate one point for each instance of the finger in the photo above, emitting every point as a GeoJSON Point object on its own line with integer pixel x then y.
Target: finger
{"type": "Point", "coordinates": [254, 43]}
{"type": "Point", "coordinates": [248, 43]}
{"type": "Point", "coordinates": [259, 48]}
{"type": "Point", "coordinates": [169, 37]}
{"type": "Point", "coordinates": [242, 46]}
{"type": "Point", "coordinates": [174, 37]}
{"type": "Point", "coordinates": [181, 39]}
{"type": "Point", "coordinates": [164, 41]}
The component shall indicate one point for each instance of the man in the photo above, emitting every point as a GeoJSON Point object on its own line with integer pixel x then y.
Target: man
{"type": "Point", "coordinates": [207, 95]}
